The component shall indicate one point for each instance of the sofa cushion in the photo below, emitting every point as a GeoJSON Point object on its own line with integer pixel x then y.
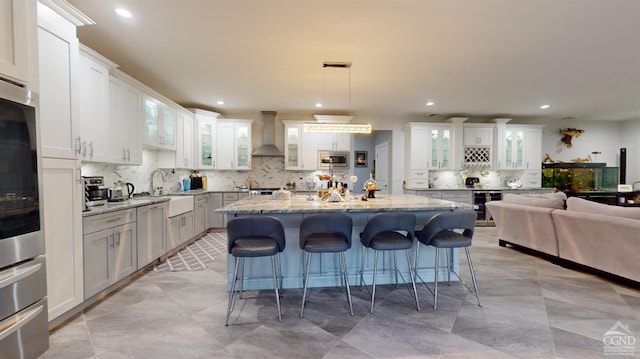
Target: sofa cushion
{"type": "Point", "coordinates": [582, 205]}
{"type": "Point", "coordinates": [535, 201]}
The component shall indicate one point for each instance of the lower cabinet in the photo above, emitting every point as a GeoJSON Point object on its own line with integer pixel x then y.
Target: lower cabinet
{"type": "Point", "coordinates": [214, 219]}
{"type": "Point", "coordinates": [199, 214]}
{"type": "Point", "coordinates": [110, 250]}
{"type": "Point", "coordinates": [180, 230]}
{"type": "Point", "coordinates": [152, 232]}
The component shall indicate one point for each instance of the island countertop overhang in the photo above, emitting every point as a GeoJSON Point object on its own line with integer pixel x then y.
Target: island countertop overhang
{"type": "Point", "coordinates": [300, 204]}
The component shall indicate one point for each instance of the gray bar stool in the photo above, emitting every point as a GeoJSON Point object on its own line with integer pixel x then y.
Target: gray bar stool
{"type": "Point", "coordinates": [326, 233]}
{"type": "Point", "coordinates": [389, 231]}
{"type": "Point", "coordinates": [442, 231]}
{"type": "Point", "coordinates": [250, 237]}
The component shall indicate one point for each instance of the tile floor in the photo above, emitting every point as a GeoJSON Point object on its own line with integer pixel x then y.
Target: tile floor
{"type": "Point", "coordinates": [531, 308]}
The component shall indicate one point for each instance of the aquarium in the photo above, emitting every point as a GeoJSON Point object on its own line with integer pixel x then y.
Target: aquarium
{"type": "Point", "coordinates": [579, 177]}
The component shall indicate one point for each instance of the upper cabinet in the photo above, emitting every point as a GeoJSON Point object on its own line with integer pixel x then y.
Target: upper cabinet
{"type": "Point", "coordinates": [429, 145]}
{"type": "Point", "coordinates": [519, 147]}
{"type": "Point", "coordinates": [478, 136]}
{"type": "Point", "coordinates": [17, 35]}
{"type": "Point", "coordinates": [160, 124]}
{"type": "Point", "coordinates": [301, 151]}
{"type": "Point", "coordinates": [333, 141]}
{"type": "Point", "coordinates": [478, 145]}
{"type": "Point", "coordinates": [58, 72]}
{"type": "Point", "coordinates": [233, 144]}
{"type": "Point", "coordinates": [97, 134]}
{"type": "Point", "coordinates": [184, 140]}
{"type": "Point", "coordinates": [205, 138]}
{"type": "Point", "coordinates": [125, 115]}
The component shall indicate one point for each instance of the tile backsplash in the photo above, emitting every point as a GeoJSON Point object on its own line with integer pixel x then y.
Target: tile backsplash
{"type": "Point", "coordinates": [266, 172]}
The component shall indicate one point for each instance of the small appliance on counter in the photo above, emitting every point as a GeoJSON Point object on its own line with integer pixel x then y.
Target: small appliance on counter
{"type": "Point", "coordinates": [95, 192]}
{"type": "Point", "coordinates": [116, 194]}
{"type": "Point", "coordinates": [470, 182]}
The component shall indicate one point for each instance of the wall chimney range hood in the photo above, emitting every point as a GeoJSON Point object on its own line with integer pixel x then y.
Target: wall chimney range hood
{"type": "Point", "coordinates": [268, 148]}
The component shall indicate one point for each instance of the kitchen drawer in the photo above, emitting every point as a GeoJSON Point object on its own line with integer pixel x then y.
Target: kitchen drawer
{"type": "Point", "coordinates": [457, 196]}
{"type": "Point", "coordinates": [419, 174]}
{"type": "Point", "coordinates": [99, 222]}
{"type": "Point", "coordinates": [417, 183]}
{"type": "Point", "coordinates": [229, 196]}
{"type": "Point", "coordinates": [198, 199]}
{"type": "Point", "coordinates": [430, 194]}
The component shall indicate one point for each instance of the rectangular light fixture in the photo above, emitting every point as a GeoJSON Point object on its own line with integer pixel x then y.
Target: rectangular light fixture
{"type": "Point", "coordinates": [337, 127]}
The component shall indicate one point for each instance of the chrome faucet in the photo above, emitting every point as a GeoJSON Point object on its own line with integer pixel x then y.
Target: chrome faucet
{"type": "Point", "coordinates": [157, 191]}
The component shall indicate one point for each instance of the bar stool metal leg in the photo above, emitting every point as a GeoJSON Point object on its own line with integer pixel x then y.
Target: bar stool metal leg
{"type": "Point", "coordinates": [473, 275]}
{"type": "Point", "coordinates": [306, 281]}
{"type": "Point", "coordinates": [275, 286]}
{"type": "Point", "coordinates": [413, 282]}
{"type": "Point", "coordinates": [232, 291]}
{"type": "Point", "coordinates": [362, 269]}
{"type": "Point", "coordinates": [346, 281]}
{"type": "Point", "coordinates": [375, 274]}
{"type": "Point", "coordinates": [435, 284]}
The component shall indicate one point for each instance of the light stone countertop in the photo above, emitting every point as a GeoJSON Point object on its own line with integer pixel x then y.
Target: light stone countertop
{"type": "Point", "coordinates": [129, 203]}
{"type": "Point", "coordinates": [300, 204]}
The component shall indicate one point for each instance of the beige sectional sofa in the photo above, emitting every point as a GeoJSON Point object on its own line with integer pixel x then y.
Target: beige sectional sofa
{"type": "Point", "coordinates": [595, 235]}
{"type": "Point", "coordinates": [526, 220]}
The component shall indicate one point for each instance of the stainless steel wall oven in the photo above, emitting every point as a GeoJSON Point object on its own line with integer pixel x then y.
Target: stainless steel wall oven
{"type": "Point", "coordinates": [23, 302]}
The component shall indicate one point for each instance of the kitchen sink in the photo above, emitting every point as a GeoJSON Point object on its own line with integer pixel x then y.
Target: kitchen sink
{"type": "Point", "coordinates": [180, 204]}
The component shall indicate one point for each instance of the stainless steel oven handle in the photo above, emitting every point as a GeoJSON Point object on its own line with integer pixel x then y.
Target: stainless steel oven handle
{"type": "Point", "coordinates": [19, 275]}
{"type": "Point", "coordinates": [21, 319]}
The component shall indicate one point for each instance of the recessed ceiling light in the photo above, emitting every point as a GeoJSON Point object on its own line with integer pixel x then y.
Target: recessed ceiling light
{"type": "Point", "coordinates": [220, 102]}
{"type": "Point", "coordinates": [318, 105]}
{"type": "Point", "coordinates": [124, 12]}
{"type": "Point", "coordinates": [430, 103]}
{"type": "Point", "coordinates": [544, 107]}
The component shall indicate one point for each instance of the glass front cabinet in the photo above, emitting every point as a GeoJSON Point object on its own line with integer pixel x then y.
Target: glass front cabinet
{"type": "Point", "coordinates": [300, 148]}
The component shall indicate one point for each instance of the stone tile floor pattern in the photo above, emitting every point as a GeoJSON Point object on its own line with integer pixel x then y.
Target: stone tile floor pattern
{"type": "Point", "coordinates": [531, 308]}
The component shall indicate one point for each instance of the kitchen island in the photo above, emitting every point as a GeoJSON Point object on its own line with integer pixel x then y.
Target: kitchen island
{"type": "Point", "coordinates": [324, 268]}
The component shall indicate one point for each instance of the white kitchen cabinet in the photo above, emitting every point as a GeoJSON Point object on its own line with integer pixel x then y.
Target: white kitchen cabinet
{"type": "Point", "coordinates": [214, 219]}
{"type": "Point", "coordinates": [478, 136]}
{"type": "Point", "coordinates": [180, 230]}
{"type": "Point", "coordinates": [125, 118]}
{"type": "Point", "coordinates": [160, 124]}
{"type": "Point", "coordinates": [17, 24]}
{"type": "Point", "coordinates": [333, 141]}
{"type": "Point", "coordinates": [62, 187]}
{"type": "Point", "coordinates": [151, 227]}
{"type": "Point", "coordinates": [183, 155]}
{"type": "Point", "coordinates": [457, 196]}
{"type": "Point", "coordinates": [205, 149]}
{"type": "Point", "coordinates": [519, 147]}
{"type": "Point", "coordinates": [97, 134]}
{"type": "Point", "coordinates": [233, 144]}
{"type": "Point", "coordinates": [427, 146]}
{"type": "Point", "coordinates": [301, 149]}
{"type": "Point", "coordinates": [199, 214]}
{"type": "Point", "coordinates": [478, 146]}
{"type": "Point", "coordinates": [440, 147]}
{"type": "Point", "coordinates": [110, 250]}
{"type": "Point", "coordinates": [58, 61]}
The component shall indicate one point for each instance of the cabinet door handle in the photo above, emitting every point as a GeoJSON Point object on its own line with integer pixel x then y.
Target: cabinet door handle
{"type": "Point", "coordinates": [114, 220]}
{"type": "Point", "coordinates": [91, 152]}
{"type": "Point", "coordinates": [112, 241]}
{"type": "Point", "coordinates": [118, 239]}
{"type": "Point", "coordinates": [84, 149]}
{"type": "Point", "coordinates": [79, 175]}
{"type": "Point", "coordinates": [78, 145]}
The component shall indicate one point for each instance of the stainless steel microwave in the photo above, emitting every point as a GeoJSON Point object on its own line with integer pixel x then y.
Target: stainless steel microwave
{"type": "Point", "coordinates": [333, 160]}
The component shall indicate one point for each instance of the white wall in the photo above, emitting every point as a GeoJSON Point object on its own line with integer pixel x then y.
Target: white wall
{"type": "Point", "coordinates": [600, 136]}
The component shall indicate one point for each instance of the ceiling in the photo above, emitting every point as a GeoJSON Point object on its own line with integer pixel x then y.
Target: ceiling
{"type": "Point", "coordinates": [473, 58]}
